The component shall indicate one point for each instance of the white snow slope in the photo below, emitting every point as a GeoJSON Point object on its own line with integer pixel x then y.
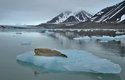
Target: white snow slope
{"type": "Point", "coordinates": [65, 15]}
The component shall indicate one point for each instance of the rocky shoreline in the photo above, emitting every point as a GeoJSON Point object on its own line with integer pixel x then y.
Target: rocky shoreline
{"type": "Point", "coordinates": [83, 25]}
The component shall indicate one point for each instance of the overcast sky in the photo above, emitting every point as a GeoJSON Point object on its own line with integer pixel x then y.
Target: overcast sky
{"type": "Point", "coordinates": [39, 11]}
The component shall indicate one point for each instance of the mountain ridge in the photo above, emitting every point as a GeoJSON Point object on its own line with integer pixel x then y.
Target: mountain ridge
{"type": "Point", "coordinates": [71, 17]}
{"type": "Point", "coordinates": [111, 14]}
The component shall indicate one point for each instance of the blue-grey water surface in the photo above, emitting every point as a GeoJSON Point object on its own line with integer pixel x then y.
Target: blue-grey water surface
{"type": "Point", "coordinates": [18, 42]}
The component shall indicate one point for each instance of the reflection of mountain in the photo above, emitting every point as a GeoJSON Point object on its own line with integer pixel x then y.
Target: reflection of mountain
{"type": "Point", "coordinates": [38, 72]}
{"type": "Point", "coordinates": [116, 47]}
{"type": "Point", "coordinates": [87, 32]}
{"type": "Point", "coordinates": [107, 39]}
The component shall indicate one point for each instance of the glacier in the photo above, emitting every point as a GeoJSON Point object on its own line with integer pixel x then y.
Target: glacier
{"type": "Point", "coordinates": [77, 61]}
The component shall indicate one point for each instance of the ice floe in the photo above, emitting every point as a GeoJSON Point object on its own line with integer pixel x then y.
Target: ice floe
{"type": "Point", "coordinates": [85, 38]}
{"type": "Point", "coordinates": [49, 32]}
{"type": "Point", "coordinates": [78, 60]}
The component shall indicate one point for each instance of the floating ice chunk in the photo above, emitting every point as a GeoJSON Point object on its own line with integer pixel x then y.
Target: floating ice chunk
{"type": "Point", "coordinates": [85, 38]}
{"type": "Point", "coordinates": [99, 38]}
{"type": "Point", "coordinates": [79, 61]}
{"type": "Point", "coordinates": [49, 33]}
{"type": "Point", "coordinates": [104, 38]}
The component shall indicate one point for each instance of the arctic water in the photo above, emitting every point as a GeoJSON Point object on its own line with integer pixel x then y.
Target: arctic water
{"type": "Point", "coordinates": [14, 43]}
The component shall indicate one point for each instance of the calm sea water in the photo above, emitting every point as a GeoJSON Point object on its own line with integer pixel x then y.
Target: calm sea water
{"type": "Point", "coordinates": [15, 43]}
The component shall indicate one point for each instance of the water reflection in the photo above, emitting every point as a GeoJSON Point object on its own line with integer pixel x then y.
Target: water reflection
{"type": "Point", "coordinates": [14, 43]}
{"type": "Point", "coordinates": [116, 47]}
{"type": "Point", "coordinates": [114, 43]}
{"type": "Point", "coordinates": [91, 32]}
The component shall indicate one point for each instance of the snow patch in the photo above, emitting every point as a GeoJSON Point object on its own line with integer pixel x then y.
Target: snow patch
{"type": "Point", "coordinates": [99, 13]}
{"type": "Point", "coordinates": [122, 18]}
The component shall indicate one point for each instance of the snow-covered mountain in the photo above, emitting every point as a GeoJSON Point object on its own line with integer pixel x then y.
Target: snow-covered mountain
{"type": "Point", "coordinates": [112, 14]}
{"type": "Point", "coordinates": [71, 17]}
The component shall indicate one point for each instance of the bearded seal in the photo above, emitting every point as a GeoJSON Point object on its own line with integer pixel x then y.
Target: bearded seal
{"type": "Point", "coordinates": [48, 52]}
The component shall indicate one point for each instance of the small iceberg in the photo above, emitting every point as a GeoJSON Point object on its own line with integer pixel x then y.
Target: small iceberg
{"type": "Point", "coordinates": [78, 61]}
{"type": "Point", "coordinates": [104, 38]}
{"type": "Point", "coordinates": [49, 32]}
{"type": "Point", "coordinates": [84, 38]}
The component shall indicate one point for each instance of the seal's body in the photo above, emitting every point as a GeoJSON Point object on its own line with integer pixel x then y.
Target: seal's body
{"type": "Point", "coordinates": [48, 52]}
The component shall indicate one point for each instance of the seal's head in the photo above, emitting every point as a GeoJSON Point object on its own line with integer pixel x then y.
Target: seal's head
{"type": "Point", "coordinates": [63, 55]}
{"type": "Point", "coordinates": [36, 51]}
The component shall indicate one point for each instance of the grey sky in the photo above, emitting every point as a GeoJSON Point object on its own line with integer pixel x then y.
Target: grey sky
{"type": "Point", "coordinates": [38, 11]}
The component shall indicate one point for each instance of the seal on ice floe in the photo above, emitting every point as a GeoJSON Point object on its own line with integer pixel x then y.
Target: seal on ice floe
{"type": "Point", "coordinates": [48, 52]}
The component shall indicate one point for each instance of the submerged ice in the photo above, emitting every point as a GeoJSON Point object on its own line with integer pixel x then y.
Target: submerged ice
{"type": "Point", "coordinates": [78, 60]}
